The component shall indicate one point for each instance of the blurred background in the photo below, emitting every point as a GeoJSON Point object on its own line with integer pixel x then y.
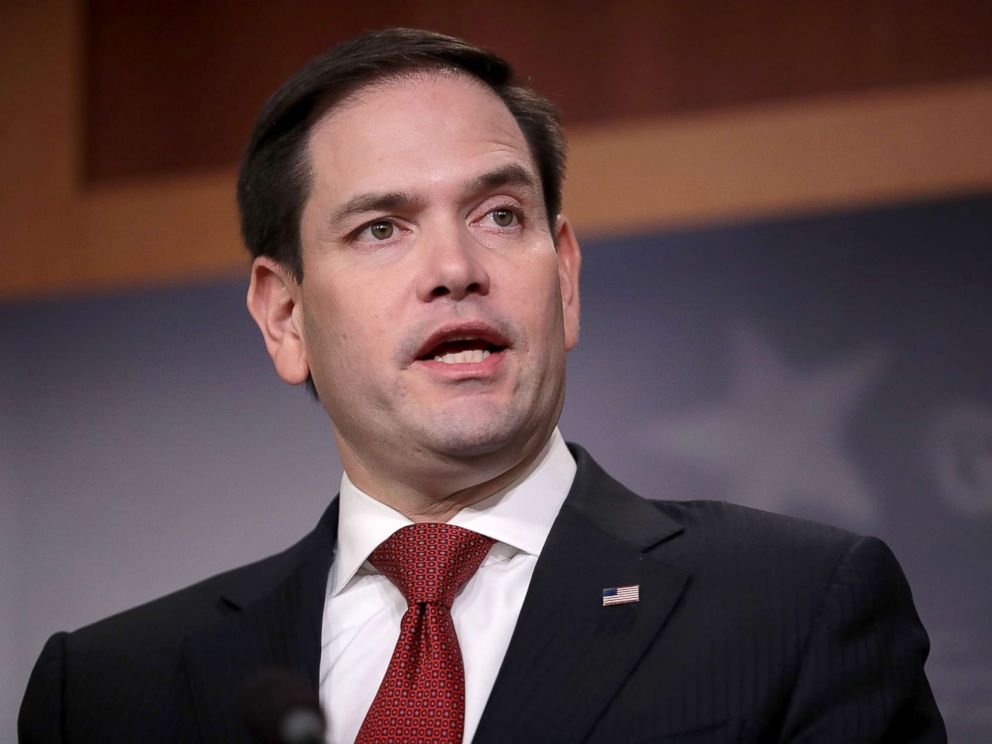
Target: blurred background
{"type": "Point", "coordinates": [786, 212]}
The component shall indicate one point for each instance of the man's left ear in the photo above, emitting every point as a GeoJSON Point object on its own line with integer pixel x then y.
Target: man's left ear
{"type": "Point", "coordinates": [569, 261]}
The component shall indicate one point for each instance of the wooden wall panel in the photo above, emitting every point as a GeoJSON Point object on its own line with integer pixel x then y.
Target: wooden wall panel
{"type": "Point", "coordinates": [39, 144]}
{"type": "Point", "coordinates": [60, 232]}
{"type": "Point", "coordinates": [173, 85]}
{"type": "Point", "coordinates": [779, 159]}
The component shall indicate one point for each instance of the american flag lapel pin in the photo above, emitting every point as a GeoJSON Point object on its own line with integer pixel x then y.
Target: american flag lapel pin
{"type": "Point", "coordinates": [616, 595]}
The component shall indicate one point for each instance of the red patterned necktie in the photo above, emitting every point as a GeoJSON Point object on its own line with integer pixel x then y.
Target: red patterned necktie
{"type": "Point", "coordinates": [422, 697]}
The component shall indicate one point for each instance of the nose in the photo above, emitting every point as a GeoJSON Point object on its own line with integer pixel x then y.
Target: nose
{"type": "Point", "coordinates": [451, 266]}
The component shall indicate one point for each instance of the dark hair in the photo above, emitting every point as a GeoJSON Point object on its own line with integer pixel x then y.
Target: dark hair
{"type": "Point", "coordinates": [275, 171]}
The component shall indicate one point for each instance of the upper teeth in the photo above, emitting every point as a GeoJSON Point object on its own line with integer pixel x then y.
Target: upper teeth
{"type": "Point", "coordinates": [473, 356]}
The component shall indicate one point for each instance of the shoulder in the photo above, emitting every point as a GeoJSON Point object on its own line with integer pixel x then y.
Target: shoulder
{"type": "Point", "coordinates": [173, 615]}
{"type": "Point", "coordinates": [128, 669]}
{"type": "Point", "coordinates": [728, 544]}
{"type": "Point", "coordinates": [732, 528]}
{"type": "Point", "coordinates": [124, 668]}
{"type": "Point", "coordinates": [159, 627]}
{"type": "Point", "coordinates": [755, 548]}
{"type": "Point", "coordinates": [722, 528]}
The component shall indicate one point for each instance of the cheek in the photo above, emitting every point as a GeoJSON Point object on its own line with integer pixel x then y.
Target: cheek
{"type": "Point", "coordinates": [536, 277]}
{"type": "Point", "coordinates": [548, 291]}
{"type": "Point", "coordinates": [538, 302]}
{"type": "Point", "coordinates": [325, 333]}
{"type": "Point", "coordinates": [349, 340]}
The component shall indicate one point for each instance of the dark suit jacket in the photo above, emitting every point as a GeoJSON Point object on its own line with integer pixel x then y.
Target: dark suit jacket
{"type": "Point", "coordinates": [750, 627]}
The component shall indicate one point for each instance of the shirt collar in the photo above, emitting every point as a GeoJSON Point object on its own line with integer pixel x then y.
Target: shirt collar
{"type": "Point", "coordinates": [519, 515]}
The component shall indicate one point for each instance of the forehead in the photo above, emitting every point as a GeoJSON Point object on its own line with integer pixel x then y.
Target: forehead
{"type": "Point", "coordinates": [424, 128]}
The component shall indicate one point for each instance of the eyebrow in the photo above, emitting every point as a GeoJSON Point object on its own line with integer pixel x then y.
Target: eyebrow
{"type": "Point", "coordinates": [510, 175]}
{"type": "Point", "coordinates": [391, 201]}
{"type": "Point", "coordinates": [372, 202]}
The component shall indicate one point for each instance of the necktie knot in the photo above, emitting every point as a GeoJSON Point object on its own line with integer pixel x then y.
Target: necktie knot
{"type": "Point", "coordinates": [429, 562]}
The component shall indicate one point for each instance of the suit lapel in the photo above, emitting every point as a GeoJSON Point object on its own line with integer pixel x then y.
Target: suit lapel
{"type": "Point", "coordinates": [569, 655]}
{"type": "Point", "coordinates": [272, 618]}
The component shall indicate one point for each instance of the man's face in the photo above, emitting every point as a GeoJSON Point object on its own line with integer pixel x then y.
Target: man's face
{"type": "Point", "coordinates": [435, 311]}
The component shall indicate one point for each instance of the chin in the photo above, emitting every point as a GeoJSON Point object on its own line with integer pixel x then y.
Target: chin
{"type": "Point", "coordinates": [475, 434]}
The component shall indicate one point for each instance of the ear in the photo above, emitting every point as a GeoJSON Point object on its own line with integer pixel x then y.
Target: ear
{"type": "Point", "coordinates": [273, 301]}
{"type": "Point", "coordinates": [569, 262]}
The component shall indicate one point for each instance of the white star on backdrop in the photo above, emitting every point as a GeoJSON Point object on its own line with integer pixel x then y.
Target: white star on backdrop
{"type": "Point", "coordinates": [960, 452]}
{"type": "Point", "coordinates": [777, 439]}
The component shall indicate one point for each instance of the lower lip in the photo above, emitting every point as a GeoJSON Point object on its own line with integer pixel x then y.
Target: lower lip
{"type": "Point", "coordinates": [488, 367]}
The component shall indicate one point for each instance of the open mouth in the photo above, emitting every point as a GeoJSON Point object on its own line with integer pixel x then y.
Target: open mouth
{"type": "Point", "coordinates": [472, 344]}
{"type": "Point", "coordinates": [462, 351]}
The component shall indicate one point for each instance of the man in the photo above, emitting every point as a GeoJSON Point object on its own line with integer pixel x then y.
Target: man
{"type": "Point", "coordinates": [401, 197]}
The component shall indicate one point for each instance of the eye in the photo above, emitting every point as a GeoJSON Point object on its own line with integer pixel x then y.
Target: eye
{"type": "Point", "coordinates": [381, 230]}
{"type": "Point", "coordinates": [503, 217]}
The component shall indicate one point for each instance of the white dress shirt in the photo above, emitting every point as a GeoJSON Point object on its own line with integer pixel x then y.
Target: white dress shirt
{"type": "Point", "coordinates": [362, 608]}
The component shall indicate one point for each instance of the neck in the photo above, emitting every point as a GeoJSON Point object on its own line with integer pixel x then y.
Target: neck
{"type": "Point", "coordinates": [438, 494]}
